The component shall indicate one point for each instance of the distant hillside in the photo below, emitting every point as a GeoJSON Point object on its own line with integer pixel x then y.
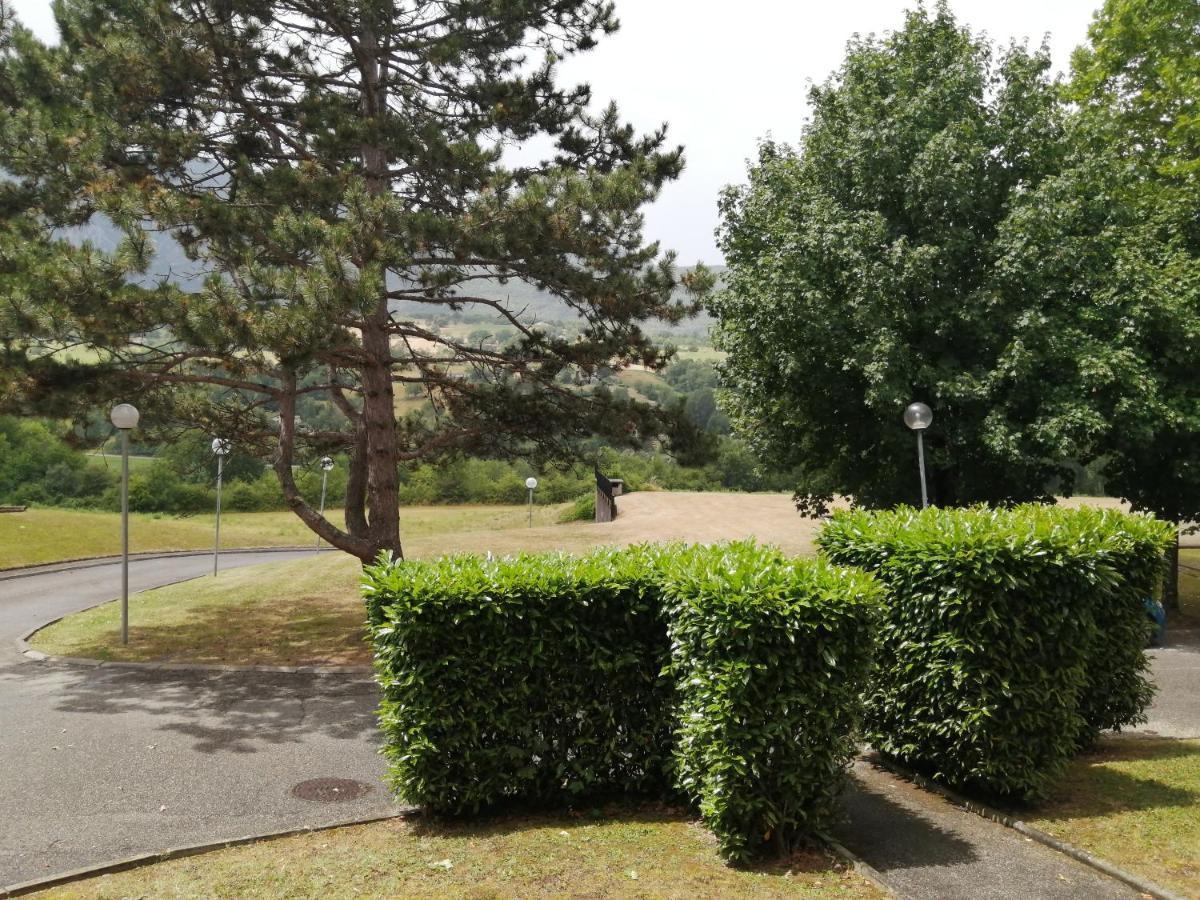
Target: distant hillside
{"type": "Point", "coordinates": [536, 306]}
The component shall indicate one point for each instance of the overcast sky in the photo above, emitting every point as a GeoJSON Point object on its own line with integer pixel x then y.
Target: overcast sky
{"type": "Point", "coordinates": [724, 75]}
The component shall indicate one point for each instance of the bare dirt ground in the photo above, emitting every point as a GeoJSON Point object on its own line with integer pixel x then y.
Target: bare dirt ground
{"type": "Point", "coordinates": [656, 516]}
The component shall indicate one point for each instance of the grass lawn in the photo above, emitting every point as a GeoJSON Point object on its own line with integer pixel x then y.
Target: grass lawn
{"type": "Point", "coordinates": [48, 535]}
{"type": "Point", "coordinates": [112, 462]}
{"type": "Point", "coordinates": [649, 852]}
{"type": "Point", "coordinates": [308, 611]}
{"type": "Point", "coordinates": [1136, 803]}
{"type": "Point", "coordinates": [1189, 582]}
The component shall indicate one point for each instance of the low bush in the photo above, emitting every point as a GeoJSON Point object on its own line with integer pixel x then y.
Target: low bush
{"type": "Point", "coordinates": [770, 657]}
{"type": "Point", "coordinates": [582, 510]}
{"type": "Point", "coordinates": [531, 678]}
{"type": "Point", "coordinates": [1117, 688]}
{"type": "Point", "coordinates": [728, 673]}
{"type": "Point", "coordinates": [1010, 635]}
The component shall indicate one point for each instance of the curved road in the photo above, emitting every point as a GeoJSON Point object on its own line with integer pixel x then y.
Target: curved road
{"type": "Point", "coordinates": [102, 763]}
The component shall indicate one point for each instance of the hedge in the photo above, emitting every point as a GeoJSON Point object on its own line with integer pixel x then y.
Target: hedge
{"type": "Point", "coordinates": [727, 673]}
{"type": "Point", "coordinates": [532, 678]}
{"type": "Point", "coordinates": [1011, 636]}
{"type": "Point", "coordinates": [770, 657]}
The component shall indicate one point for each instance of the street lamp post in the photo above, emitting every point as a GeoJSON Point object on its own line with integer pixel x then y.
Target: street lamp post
{"type": "Point", "coordinates": [918, 417]}
{"type": "Point", "coordinates": [220, 449]}
{"type": "Point", "coordinates": [531, 483]}
{"type": "Point", "coordinates": [124, 417]}
{"type": "Point", "coordinates": [326, 465]}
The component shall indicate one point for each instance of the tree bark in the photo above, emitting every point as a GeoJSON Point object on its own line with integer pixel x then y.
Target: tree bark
{"type": "Point", "coordinates": [360, 547]}
{"type": "Point", "coordinates": [383, 451]}
{"type": "Point", "coordinates": [356, 484]}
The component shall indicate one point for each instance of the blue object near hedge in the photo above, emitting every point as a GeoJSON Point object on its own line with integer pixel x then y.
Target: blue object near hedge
{"type": "Point", "coordinates": [1157, 614]}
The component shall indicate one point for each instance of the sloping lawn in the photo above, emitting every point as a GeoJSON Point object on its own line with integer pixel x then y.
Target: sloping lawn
{"type": "Point", "coordinates": [1136, 803]}
{"type": "Point", "coordinates": [48, 535]}
{"type": "Point", "coordinates": [308, 611]}
{"type": "Point", "coordinates": [647, 852]}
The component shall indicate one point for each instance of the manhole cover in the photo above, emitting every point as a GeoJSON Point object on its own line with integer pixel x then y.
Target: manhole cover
{"type": "Point", "coordinates": [330, 790]}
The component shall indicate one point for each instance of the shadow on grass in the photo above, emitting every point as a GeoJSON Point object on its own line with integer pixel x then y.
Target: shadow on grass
{"type": "Point", "coordinates": [308, 631]}
{"type": "Point", "coordinates": [638, 825]}
{"type": "Point", "coordinates": [1092, 788]}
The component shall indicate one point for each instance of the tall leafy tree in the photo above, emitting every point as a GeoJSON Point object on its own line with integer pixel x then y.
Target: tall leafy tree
{"type": "Point", "coordinates": [1137, 85]}
{"type": "Point", "coordinates": [863, 275]}
{"type": "Point", "coordinates": [1116, 238]}
{"type": "Point", "coordinates": [334, 168]}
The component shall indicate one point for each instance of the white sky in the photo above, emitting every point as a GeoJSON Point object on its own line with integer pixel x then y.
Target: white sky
{"type": "Point", "coordinates": [724, 75]}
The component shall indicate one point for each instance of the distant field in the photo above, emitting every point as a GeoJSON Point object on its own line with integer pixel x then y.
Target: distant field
{"type": "Point", "coordinates": [702, 354]}
{"type": "Point", "coordinates": [48, 535]}
{"type": "Point", "coordinates": [112, 462]}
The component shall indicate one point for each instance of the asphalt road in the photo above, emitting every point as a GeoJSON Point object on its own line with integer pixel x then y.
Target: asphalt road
{"type": "Point", "coordinates": [99, 763]}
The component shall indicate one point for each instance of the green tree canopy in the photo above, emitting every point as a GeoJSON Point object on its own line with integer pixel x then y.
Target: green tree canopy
{"type": "Point", "coordinates": [1130, 195]}
{"type": "Point", "coordinates": [864, 274]}
{"type": "Point", "coordinates": [330, 167]}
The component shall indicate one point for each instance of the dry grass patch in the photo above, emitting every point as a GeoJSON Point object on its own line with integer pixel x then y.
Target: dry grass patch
{"type": "Point", "coordinates": [647, 852]}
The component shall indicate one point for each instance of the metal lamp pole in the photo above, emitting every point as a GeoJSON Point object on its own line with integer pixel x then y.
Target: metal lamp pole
{"type": "Point", "coordinates": [326, 465]}
{"type": "Point", "coordinates": [124, 417]}
{"type": "Point", "coordinates": [220, 449]}
{"type": "Point", "coordinates": [918, 417]}
{"type": "Point", "coordinates": [531, 483]}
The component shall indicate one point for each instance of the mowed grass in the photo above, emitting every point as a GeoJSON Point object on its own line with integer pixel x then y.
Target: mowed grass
{"type": "Point", "coordinates": [39, 536]}
{"type": "Point", "coordinates": [1189, 582]}
{"type": "Point", "coordinates": [1136, 803]}
{"type": "Point", "coordinates": [308, 611]}
{"type": "Point", "coordinates": [299, 612]}
{"type": "Point", "coordinates": [622, 852]}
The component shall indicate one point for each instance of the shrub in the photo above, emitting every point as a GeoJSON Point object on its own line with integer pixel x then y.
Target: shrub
{"type": "Point", "coordinates": [582, 510]}
{"type": "Point", "coordinates": [541, 679]}
{"type": "Point", "coordinates": [527, 678]}
{"type": "Point", "coordinates": [993, 661]}
{"type": "Point", "coordinates": [1117, 689]}
{"type": "Point", "coordinates": [770, 657]}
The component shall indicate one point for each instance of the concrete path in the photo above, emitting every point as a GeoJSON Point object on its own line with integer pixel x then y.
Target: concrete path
{"type": "Point", "coordinates": [1176, 709]}
{"type": "Point", "coordinates": [926, 847]}
{"type": "Point", "coordinates": [100, 763]}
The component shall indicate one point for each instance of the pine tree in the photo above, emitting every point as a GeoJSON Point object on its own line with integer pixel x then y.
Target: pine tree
{"type": "Point", "coordinates": [330, 167]}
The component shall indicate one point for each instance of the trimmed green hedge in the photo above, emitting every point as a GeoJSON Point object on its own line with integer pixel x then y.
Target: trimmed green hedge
{"type": "Point", "coordinates": [532, 678]}
{"type": "Point", "coordinates": [729, 673]}
{"type": "Point", "coordinates": [770, 656]}
{"type": "Point", "coordinates": [1011, 636]}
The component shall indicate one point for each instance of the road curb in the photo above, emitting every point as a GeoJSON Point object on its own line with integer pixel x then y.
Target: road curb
{"type": "Point", "coordinates": [862, 868]}
{"type": "Point", "coordinates": [984, 811]}
{"type": "Point", "coordinates": [147, 859]}
{"type": "Point", "coordinates": [90, 562]}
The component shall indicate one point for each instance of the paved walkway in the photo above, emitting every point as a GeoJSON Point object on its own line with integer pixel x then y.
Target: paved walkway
{"type": "Point", "coordinates": [1176, 709]}
{"type": "Point", "coordinates": [103, 763]}
{"type": "Point", "coordinates": [926, 847]}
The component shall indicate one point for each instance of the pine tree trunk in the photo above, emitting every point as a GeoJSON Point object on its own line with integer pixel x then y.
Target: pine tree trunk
{"type": "Point", "coordinates": [379, 419]}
